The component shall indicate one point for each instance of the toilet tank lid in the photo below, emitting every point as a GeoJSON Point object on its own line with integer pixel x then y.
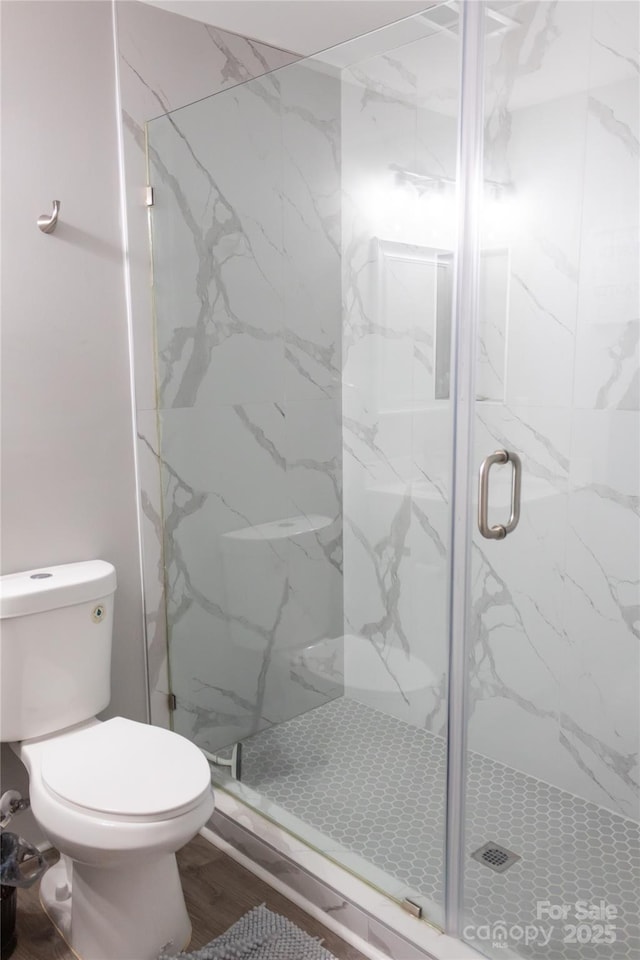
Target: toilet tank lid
{"type": "Point", "coordinates": [47, 588]}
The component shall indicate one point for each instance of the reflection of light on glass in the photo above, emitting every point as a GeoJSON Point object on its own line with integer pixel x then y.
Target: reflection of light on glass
{"type": "Point", "coordinates": [397, 210]}
{"type": "Point", "coordinates": [502, 214]}
{"type": "Point", "coordinates": [438, 217]}
{"type": "Point", "coordinates": [432, 202]}
{"type": "Point", "coordinates": [376, 200]}
{"type": "Point", "coordinates": [421, 209]}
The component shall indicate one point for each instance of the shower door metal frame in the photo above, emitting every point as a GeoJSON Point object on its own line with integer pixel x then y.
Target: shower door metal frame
{"type": "Point", "coordinates": [465, 328]}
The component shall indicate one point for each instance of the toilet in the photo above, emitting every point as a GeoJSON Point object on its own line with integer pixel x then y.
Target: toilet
{"type": "Point", "coordinates": [117, 798]}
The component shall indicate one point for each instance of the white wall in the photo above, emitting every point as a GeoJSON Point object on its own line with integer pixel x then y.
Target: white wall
{"type": "Point", "coordinates": [68, 480]}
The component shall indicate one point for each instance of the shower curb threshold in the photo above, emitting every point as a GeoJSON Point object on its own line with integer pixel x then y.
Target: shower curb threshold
{"type": "Point", "coordinates": [373, 923]}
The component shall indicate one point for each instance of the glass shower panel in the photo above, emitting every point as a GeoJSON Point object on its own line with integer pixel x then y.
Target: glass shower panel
{"type": "Point", "coordinates": [552, 792]}
{"type": "Point", "coordinates": [303, 238]}
{"type": "Point", "coordinates": [246, 237]}
{"type": "Point", "coordinates": [399, 145]}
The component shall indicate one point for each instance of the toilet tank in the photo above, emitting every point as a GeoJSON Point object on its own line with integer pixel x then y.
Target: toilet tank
{"type": "Point", "coordinates": [56, 627]}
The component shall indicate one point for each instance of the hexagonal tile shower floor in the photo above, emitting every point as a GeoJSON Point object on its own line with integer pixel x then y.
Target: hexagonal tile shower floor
{"type": "Point", "coordinates": [375, 784]}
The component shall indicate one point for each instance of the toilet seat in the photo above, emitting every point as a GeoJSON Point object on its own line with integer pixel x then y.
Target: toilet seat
{"type": "Point", "coordinates": [121, 769]}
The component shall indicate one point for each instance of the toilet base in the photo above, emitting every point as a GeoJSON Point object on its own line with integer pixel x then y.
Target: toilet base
{"type": "Point", "coordinates": [107, 913]}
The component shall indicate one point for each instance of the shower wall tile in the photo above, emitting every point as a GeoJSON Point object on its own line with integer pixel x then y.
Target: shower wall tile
{"type": "Point", "coordinates": [545, 58]}
{"type": "Point", "coordinates": [155, 80]}
{"type": "Point", "coordinates": [166, 61]}
{"type": "Point", "coordinates": [555, 664]}
{"type": "Point", "coordinates": [309, 100]}
{"type": "Point", "coordinates": [600, 714]}
{"type": "Point", "coordinates": [492, 325]}
{"type": "Point", "coordinates": [603, 461]}
{"type": "Point", "coordinates": [556, 606]}
{"type": "Point", "coordinates": [607, 353]}
{"type": "Point", "coordinates": [217, 679]}
{"type": "Point", "coordinates": [381, 337]}
{"type": "Point", "coordinates": [614, 42]}
{"type": "Point", "coordinates": [312, 458]}
{"type": "Point", "coordinates": [518, 617]}
{"type": "Point", "coordinates": [246, 251]}
{"type": "Point", "coordinates": [396, 433]}
{"type": "Point", "coordinates": [571, 709]}
{"type": "Point", "coordinates": [600, 711]}
{"type": "Point", "coordinates": [219, 281]}
{"type": "Point", "coordinates": [541, 223]}
{"type": "Point", "coordinates": [607, 364]}
{"type": "Point", "coordinates": [599, 693]}
{"type": "Point", "coordinates": [253, 555]}
{"type": "Point", "coordinates": [151, 515]}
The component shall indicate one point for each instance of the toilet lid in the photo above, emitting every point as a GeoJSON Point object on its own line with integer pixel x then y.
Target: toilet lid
{"type": "Point", "coordinates": [125, 768]}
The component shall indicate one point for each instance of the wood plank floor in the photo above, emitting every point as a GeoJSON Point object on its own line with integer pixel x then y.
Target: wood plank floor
{"type": "Point", "coordinates": [218, 891]}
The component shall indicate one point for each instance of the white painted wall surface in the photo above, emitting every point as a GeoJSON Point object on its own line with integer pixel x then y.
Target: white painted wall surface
{"type": "Point", "coordinates": [68, 479]}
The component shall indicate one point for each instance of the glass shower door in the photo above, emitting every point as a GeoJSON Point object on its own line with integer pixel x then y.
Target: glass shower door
{"type": "Point", "coordinates": [552, 841]}
{"type": "Point", "coordinates": [303, 235]}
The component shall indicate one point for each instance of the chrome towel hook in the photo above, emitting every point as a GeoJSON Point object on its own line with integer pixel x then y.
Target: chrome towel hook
{"type": "Point", "coordinates": [48, 224]}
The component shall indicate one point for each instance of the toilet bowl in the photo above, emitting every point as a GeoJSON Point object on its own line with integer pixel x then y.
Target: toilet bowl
{"type": "Point", "coordinates": [117, 798]}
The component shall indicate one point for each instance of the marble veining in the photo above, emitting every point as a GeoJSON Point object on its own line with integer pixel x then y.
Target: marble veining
{"type": "Point", "coordinates": [165, 62]}
{"type": "Point", "coordinates": [300, 345]}
{"type": "Point", "coordinates": [248, 360]}
{"type": "Point", "coordinates": [555, 607]}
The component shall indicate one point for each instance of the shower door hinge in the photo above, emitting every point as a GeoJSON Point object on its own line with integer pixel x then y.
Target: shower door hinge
{"type": "Point", "coordinates": [148, 197]}
{"type": "Point", "coordinates": [172, 703]}
{"type": "Point", "coordinates": [413, 908]}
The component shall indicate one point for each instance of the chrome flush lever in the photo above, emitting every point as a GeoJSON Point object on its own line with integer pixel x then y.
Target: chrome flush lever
{"type": "Point", "coordinates": [499, 531]}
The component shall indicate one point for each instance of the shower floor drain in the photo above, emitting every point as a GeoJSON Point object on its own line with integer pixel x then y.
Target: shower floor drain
{"type": "Point", "coordinates": [496, 857]}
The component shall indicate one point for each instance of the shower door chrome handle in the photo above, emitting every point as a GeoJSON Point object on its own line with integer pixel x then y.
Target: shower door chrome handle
{"type": "Point", "coordinates": [499, 531]}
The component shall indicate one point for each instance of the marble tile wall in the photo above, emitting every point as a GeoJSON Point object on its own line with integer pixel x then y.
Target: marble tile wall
{"type": "Point", "coordinates": [554, 680]}
{"type": "Point", "coordinates": [397, 236]}
{"type": "Point", "coordinates": [164, 62]}
{"type": "Point", "coordinates": [555, 662]}
{"type": "Point", "coordinates": [245, 232]}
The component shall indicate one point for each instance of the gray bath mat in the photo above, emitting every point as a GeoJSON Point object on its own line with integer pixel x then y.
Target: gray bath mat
{"type": "Point", "coordinates": [260, 935]}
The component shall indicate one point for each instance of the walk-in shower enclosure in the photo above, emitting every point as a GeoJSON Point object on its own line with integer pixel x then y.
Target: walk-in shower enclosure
{"type": "Point", "coordinates": [373, 269]}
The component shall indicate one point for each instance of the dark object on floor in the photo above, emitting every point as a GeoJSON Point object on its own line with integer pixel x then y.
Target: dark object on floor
{"type": "Point", "coordinates": [21, 864]}
{"type": "Point", "coordinates": [8, 900]}
{"type": "Point", "coordinates": [260, 935]}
